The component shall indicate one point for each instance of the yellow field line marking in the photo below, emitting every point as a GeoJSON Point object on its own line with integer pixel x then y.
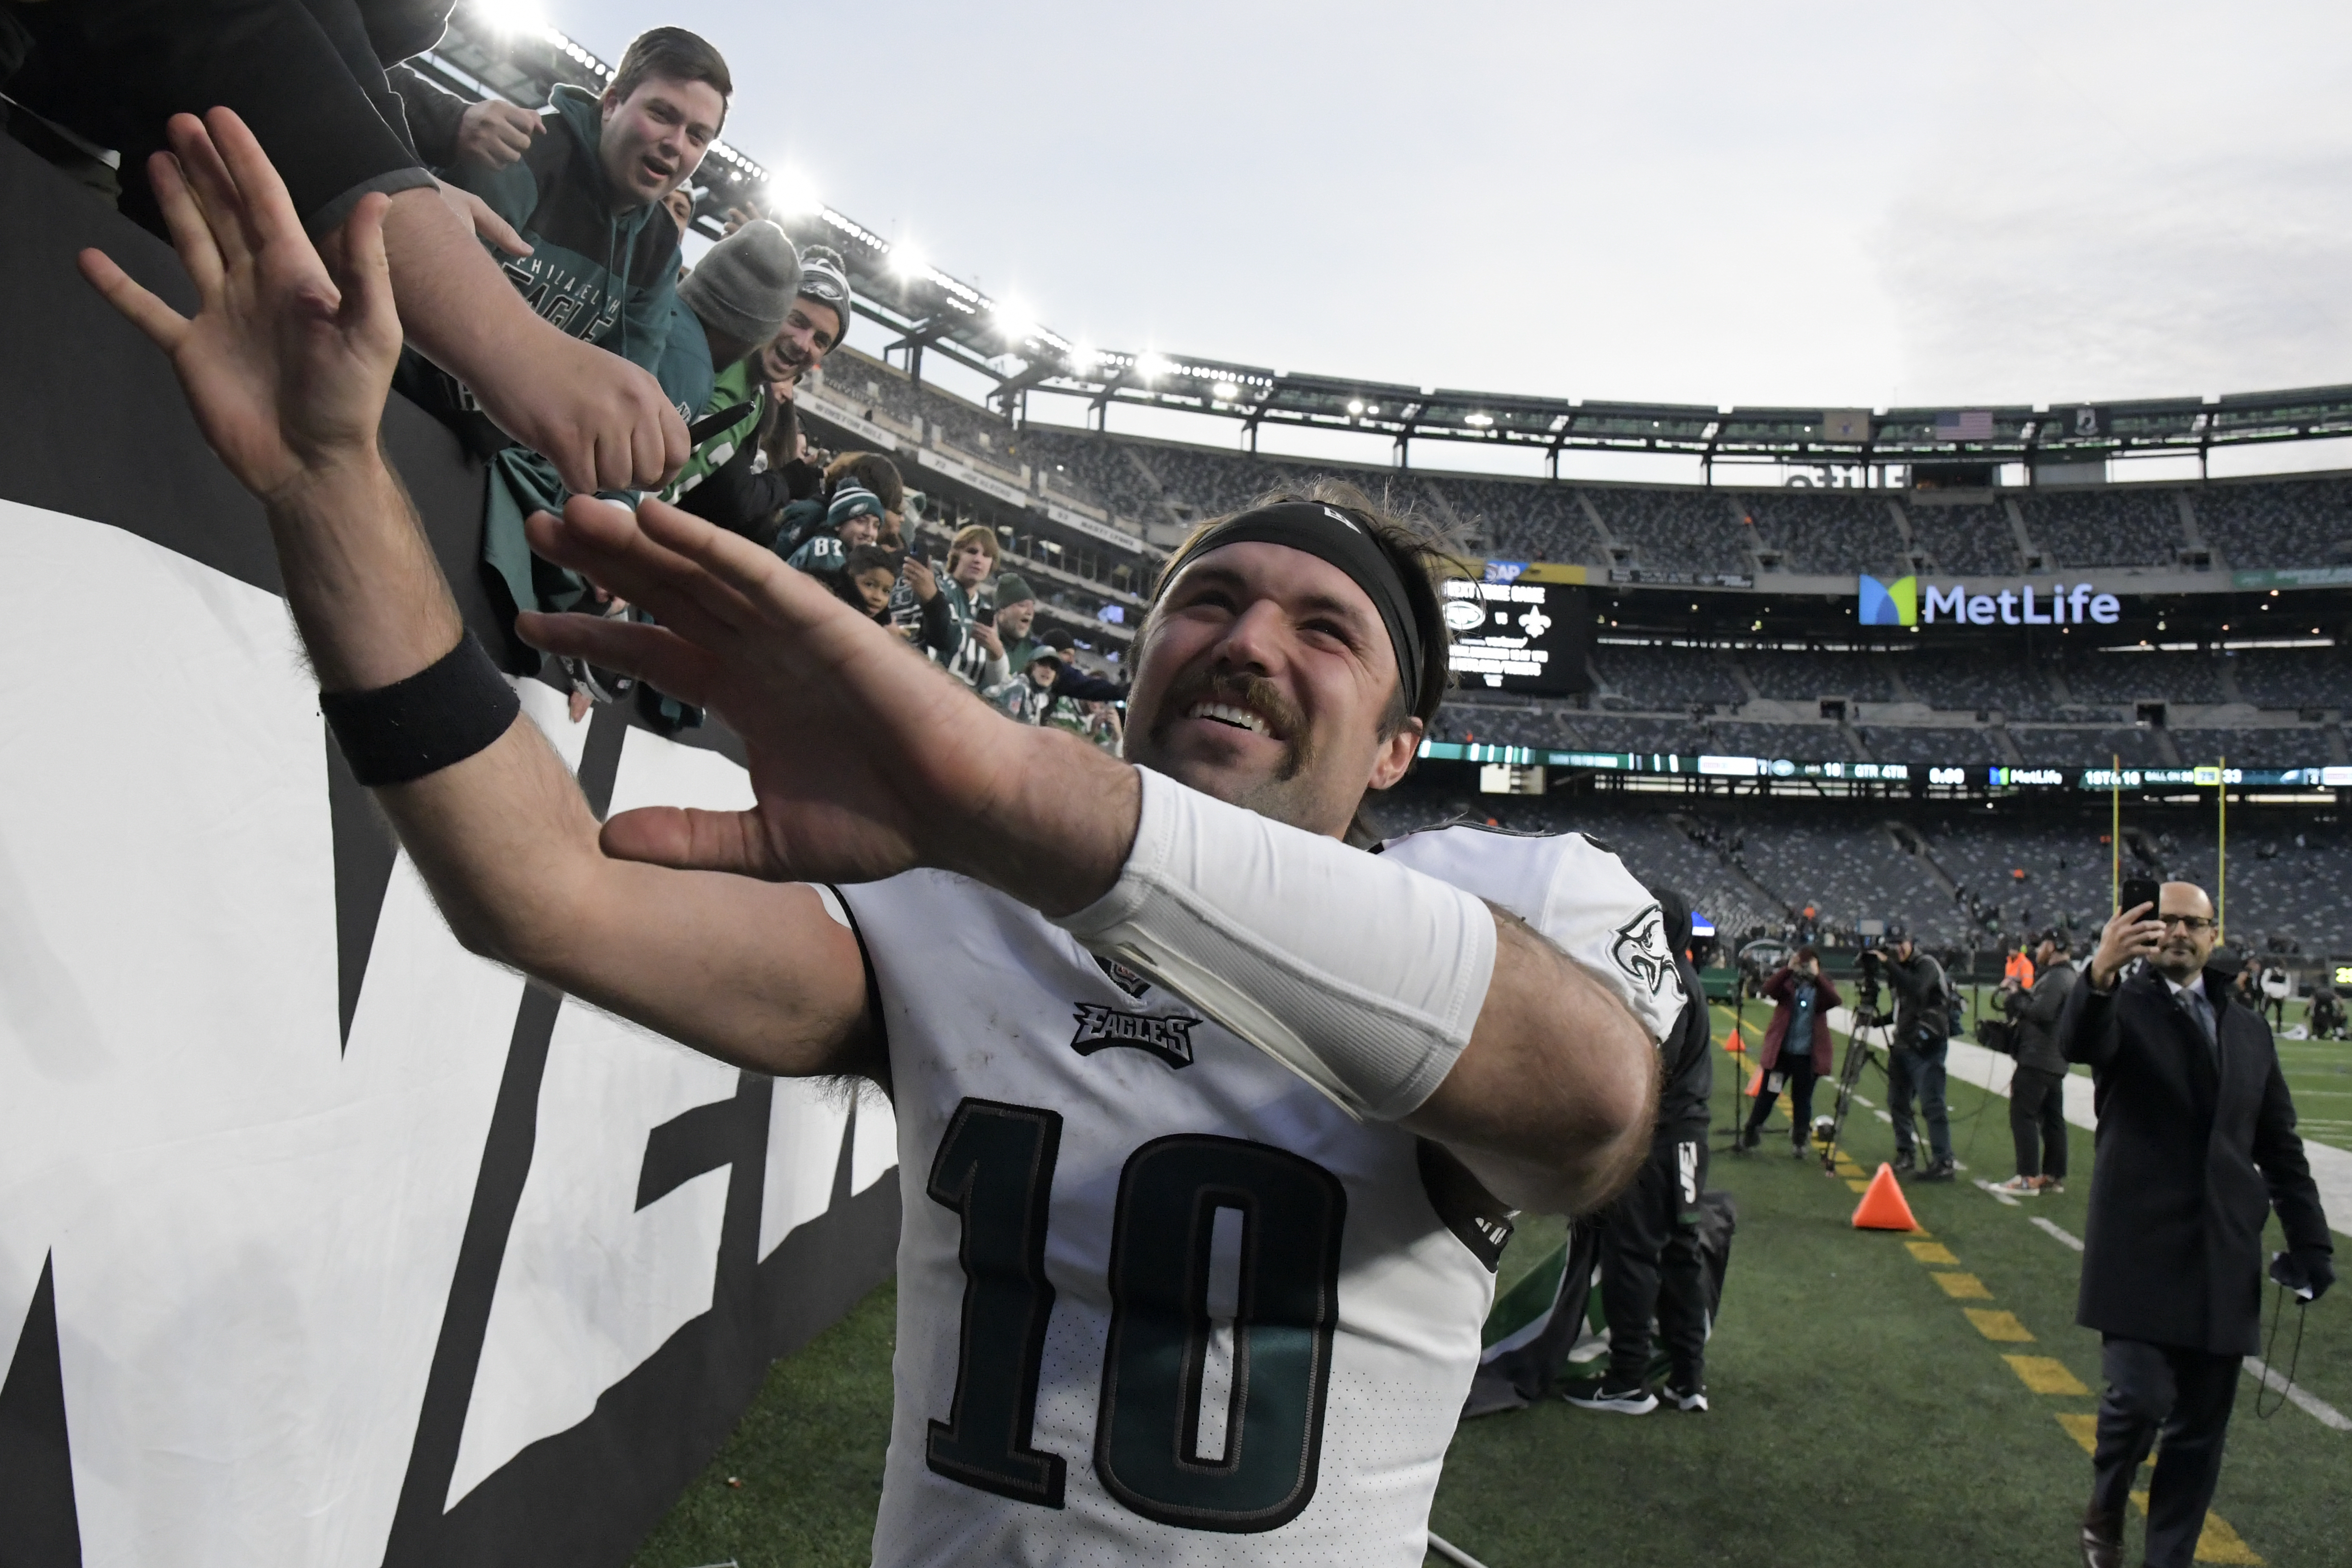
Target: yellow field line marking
{"type": "Point", "coordinates": [1931, 1252]}
{"type": "Point", "coordinates": [1857, 1184]}
{"type": "Point", "coordinates": [2002, 1327]}
{"type": "Point", "coordinates": [2217, 1542]}
{"type": "Point", "coordinates": [2044, 1375]}
{"type": "Point", "coordinates": [1963, 1287]}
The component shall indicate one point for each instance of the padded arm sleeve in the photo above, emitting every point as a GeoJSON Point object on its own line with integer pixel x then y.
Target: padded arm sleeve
{"type": "Point", "coordinates": [1361, 976]}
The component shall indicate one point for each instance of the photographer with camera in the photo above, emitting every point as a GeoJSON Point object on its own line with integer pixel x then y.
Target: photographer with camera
{"type": "Point", "coordinates": [1914, 1066]}
{"type": "Point", "coordinates": [1796, 1046]}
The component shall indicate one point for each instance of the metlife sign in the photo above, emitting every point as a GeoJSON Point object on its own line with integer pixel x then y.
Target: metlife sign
{"type": "Point", "coordinates": [1906, 602]}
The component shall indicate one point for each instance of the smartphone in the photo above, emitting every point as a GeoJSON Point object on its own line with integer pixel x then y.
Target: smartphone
{"type": "Point", "coordinates": [2138, 890]}
{"type": "Point", "coordinates": [985, 615]}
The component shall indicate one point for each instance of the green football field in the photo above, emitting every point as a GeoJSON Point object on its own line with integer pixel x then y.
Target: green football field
{"type": "Point", "coordinates": [1879, 1399]}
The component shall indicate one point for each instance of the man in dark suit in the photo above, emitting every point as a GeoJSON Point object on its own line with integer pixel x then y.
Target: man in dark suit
{"type": "Point", "coordinates": [2196, 1143]}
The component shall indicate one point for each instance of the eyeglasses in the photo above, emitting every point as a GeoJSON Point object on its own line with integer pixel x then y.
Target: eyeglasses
{"type": "Point", "coordinates": [2186, 921]}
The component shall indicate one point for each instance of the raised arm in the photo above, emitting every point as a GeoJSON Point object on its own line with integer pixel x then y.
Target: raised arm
{"type": "Point", "coordinates": [287, 365]}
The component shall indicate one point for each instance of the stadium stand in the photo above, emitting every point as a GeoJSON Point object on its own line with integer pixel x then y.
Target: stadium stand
{"type": "Point", "coordinates": [2018, 690]}
{"type": "Point", "coordinates": [1678, 529]}
{"type": "Point", "coordinates": [1521, 521]}
{"type": "Point", "coordinates": [1666, 677]}
{"type": "Point", "coordinates": [1826, 532]}
{"type": "Point", "coordinates": [1802, 675]}
{"type": "Point", "coordinates": [2078, 528]}
{"type": "Point", "coordinates": [2291, 678]}
{"type": "Point", "coordinates": [2278, 522]}
{"type": "Point", "coordinates": [1966, 541]}
{"type": "Point", "coordinates": [1931, 746]}
{"type": "Point", "coordinates": [2125, 675]}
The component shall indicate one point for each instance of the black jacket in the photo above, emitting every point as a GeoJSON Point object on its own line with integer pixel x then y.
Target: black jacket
{"type": "Point", "coordinates": [2189, 1162]}
{"type": "Point", "coordinates": [2037, 1020]}
{"type": "Point", "coordinates": [1686, 1057]}
{"type": "Point", "coordinates": [1921, 1002]}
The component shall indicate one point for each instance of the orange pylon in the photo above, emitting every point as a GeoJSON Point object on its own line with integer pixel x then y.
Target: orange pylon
{"type": "Point", "coordinates": [1883, 1207]}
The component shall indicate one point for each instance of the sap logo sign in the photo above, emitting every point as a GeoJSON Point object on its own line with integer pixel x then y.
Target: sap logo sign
{"type": "Point", "coordinates": [1903, 603]}
{"type": "Point", "coordinates": [1890, 604]}
{"type": "Point", "coordinates": [1505, 570]}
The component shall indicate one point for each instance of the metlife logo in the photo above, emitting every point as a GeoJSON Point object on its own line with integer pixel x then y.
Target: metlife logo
{"type": "Point", "coordinates": [1904, 602]}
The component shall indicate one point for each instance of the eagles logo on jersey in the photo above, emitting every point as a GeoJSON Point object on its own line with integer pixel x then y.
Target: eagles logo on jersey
{"type": "Point", "coordinates": [1168, 1035]}
{"type": "Point", "coordinates": [1641, 949]}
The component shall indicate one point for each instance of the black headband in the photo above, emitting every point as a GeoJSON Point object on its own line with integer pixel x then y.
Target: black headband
{"type": "Point", "coordinates": [1328, 533]}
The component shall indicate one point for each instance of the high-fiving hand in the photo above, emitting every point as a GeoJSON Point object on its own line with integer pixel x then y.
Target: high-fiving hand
{"type": "Point", "coordinates": [866, 758]}
{"type": "Point", "coordinates": [289, 359]}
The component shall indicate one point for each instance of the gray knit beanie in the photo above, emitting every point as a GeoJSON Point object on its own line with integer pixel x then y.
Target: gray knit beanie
{"type": "Point", "coordinates": [746, 284]}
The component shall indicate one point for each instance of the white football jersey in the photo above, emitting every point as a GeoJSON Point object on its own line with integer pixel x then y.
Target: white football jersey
{"type": "Point", "coordinates": [1160, 1301]}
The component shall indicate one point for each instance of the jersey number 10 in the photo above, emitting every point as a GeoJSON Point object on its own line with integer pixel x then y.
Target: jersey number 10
{"type": "Point", "coordinates": [1159, 1387]}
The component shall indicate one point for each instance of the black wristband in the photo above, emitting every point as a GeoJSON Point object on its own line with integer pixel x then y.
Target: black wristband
{"type": "Point", "coordinates": [443, 714]}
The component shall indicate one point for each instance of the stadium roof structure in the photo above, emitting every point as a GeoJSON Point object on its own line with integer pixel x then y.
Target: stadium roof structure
{"type": "Point", "coordinates": [932, 310]}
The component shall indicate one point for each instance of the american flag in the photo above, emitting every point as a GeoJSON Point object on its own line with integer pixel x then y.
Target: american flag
{"type": "Point", "coordinates": [1976, 424]}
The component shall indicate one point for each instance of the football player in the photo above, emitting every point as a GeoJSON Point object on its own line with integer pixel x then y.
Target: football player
{"type": "Point", "coordinates": [1210, 1124]}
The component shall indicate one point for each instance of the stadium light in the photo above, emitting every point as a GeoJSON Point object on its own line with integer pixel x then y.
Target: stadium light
{"type": "Point", "coordinates": [1151, 367]}
{"type": "Point", "coordinates": [511, 16]}
{"type": "Point", "coordinates": [1225, 391]}
{"type": "Point", "coordinates": [1083, 360]}
{"type": "Point", "coordinates": [1357, 408]}
{"type": "Point", "coordinates": [907, 261]}
{"type": "Point", "coordinates": [791, 194]}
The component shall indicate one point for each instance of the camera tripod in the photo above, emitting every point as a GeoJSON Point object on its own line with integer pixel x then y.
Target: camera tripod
{"type": "Point", "coordinates": [1867, 1020]}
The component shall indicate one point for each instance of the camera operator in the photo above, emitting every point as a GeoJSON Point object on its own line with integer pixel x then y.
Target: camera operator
{"type": "Point", "coordinates": [2196, 1145]}
{"type": "Point", "coordinates": [2037, 1088]}
{"type": "Point", "coordinates": [1914, 1066]}
{"type": "Point", "coordinates": [1796, 1046]}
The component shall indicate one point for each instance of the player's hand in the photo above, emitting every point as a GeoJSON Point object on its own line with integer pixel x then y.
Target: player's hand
{"type": "Point", "coordinates": [736, 216]}
{"type": "Point", "coordinates": [601, 421]}
{"type": "Point", "coordinates": [289, 359]}
{"type": "Point", "coordinates": [985, 635]}
{"type": "Point", "coordinates": [864, 761]}
{"type": "Point", "coordinates": [492, 133]}
{"type": "Point", "coordinates": [2128, 936]}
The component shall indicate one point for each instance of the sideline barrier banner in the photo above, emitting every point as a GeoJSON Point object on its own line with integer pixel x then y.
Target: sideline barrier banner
{"type": "Point", "coordinates": [321, 1240]}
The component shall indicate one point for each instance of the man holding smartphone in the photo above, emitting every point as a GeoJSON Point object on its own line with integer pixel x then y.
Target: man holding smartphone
{"type": "Point", "coordinates": [2196, 1145]}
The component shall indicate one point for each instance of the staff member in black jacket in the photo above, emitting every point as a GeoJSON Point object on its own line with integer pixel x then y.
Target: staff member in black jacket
{"type": "Point", "coordinates": [2037, 1090]}
{"type": "Point", "coordinates": [2196, 1141]}
{"type": "Point", "coordinates": [1650, 1262]}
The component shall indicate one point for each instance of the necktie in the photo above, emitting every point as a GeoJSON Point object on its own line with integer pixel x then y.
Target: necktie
{"type": "Point", "coordinates": [2202, 1010]}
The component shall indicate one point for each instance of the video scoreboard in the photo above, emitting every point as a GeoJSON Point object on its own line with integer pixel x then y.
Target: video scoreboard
{"type": "Point", "coordinates": [1518, 636]}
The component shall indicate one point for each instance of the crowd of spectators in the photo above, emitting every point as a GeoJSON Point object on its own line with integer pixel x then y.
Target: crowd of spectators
{"type": "Point", "coordinates": [552, 325]}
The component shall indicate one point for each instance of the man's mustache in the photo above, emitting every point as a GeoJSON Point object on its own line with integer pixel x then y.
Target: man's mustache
{"type": "Point", "coordinates": [1255, 693]}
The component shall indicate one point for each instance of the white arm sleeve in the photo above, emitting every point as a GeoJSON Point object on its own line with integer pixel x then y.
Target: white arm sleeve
{"type": "Point", "coordinates": [1361, 976]}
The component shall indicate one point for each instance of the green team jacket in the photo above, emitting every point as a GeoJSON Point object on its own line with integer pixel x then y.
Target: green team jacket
{"type": "Point", "coordinates": [603, 276]}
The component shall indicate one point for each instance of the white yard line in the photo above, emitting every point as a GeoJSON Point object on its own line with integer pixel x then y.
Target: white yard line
{"type": "Point", "coordinates": [2059, 1232]}
{"type": "Point", "coordinates": [1451, 1553]}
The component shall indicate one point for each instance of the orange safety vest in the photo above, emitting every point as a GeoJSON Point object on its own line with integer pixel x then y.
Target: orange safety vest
{"type": "Point", "coordinates": [2020, 969]}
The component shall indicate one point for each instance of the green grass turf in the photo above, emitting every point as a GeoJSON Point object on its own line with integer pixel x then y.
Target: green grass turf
{"type": "Point", "coordinates": [1858, 1417]}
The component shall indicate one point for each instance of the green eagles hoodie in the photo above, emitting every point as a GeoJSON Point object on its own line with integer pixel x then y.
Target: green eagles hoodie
{"type": "Point", "coordinates": [606, 278]}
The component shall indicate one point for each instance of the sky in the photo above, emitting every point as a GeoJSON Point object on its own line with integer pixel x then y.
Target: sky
{"type": "Point", "coordinates": [1825, 205]}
